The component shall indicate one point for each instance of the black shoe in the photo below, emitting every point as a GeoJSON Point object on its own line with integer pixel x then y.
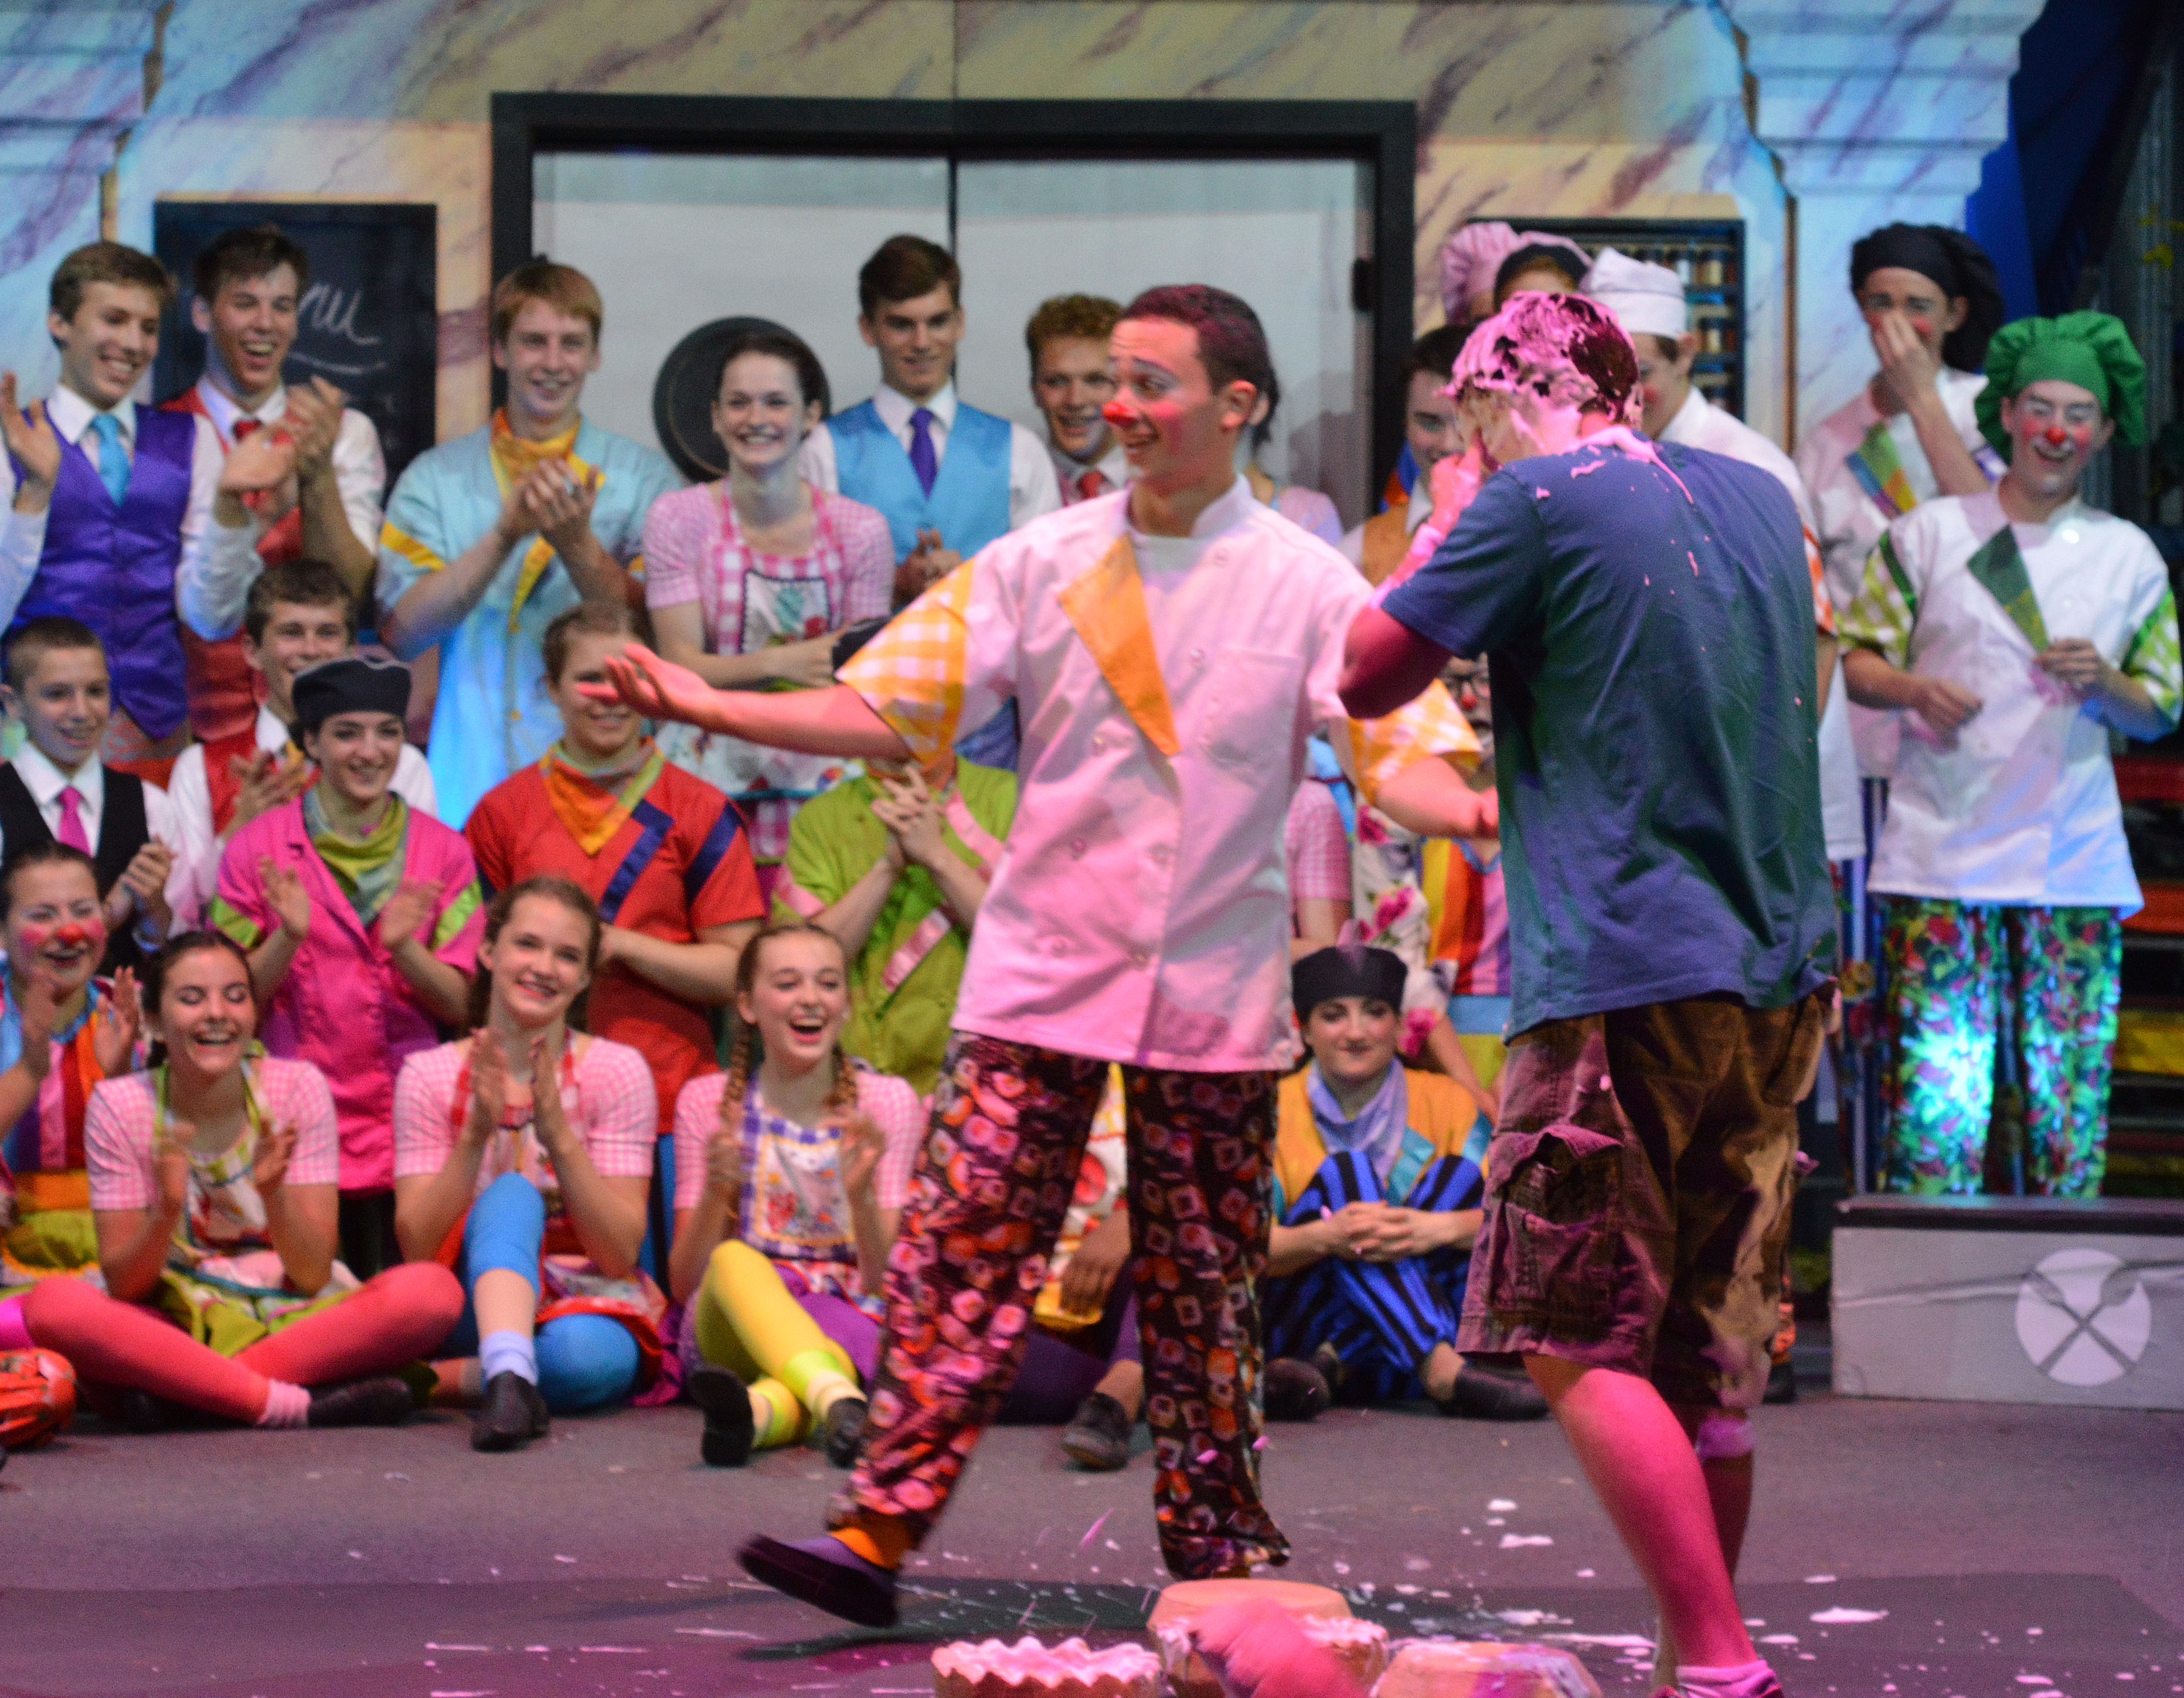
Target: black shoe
{"type": "Point", "coordinates": [843, 1429]}
{"type": "Point", "coordinates": [1296, 1390]}
{"type": "Point", "coordinates": [730, 1429]}
{"type": "Point", "coordinates": [1323, 1358]}
{"type": "Point", "coordinates": [383, 1401]}
{"type": "Point", "coordinates": [826, 1573]}
{"type": "Point", "coordinates": [1781, 1383]}
{"type": "Point", "coordinates": [513, 1415]}
{"type": "Point", "coordinates": [144, 1412]}
{"type": "Point", "coordinates": [1099, 1436]}
{"type": "Point", "coordinates": [1483, 1394]}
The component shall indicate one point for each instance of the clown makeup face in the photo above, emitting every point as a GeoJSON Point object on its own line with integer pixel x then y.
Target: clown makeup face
{"type": "Point", "coordinates": [1467, 681]}
{"type": "Point", "coordinates": [56, 923]}
{"type": "Point", "coordinates": [1353, 1039]}
{"type": "Point", "coordinates": [2055, 427]}
{"type": "Point", "coordinates": [1892, 290]}
{"type": "Point", "coordinates": [1664, 378]}
{"type": "Point", "coordinates": [1176, 427]}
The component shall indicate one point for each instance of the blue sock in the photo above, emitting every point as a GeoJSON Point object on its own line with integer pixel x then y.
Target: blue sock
{"type": "Point", "coordinates": [508, 1352]}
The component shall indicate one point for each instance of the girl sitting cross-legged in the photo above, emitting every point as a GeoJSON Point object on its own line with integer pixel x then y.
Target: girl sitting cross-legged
{"type": "Point", "coordinates": [522, 1156]}
{"type": "Point", "coordinates": [212, 1178]}
{"type": "Point", "coordinates": [1378, 1188]}
{"type": "Point", "coordinates": [790, 1175]}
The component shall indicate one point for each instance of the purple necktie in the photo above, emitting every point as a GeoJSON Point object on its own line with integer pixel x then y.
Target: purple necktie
{"type": "Point", "coordinates": [922, 461]}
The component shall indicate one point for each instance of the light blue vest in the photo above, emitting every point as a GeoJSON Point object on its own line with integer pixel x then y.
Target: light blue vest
{"type": "Point", "coordinates": [969, 505]}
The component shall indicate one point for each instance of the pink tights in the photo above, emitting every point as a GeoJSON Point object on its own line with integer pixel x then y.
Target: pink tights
{"type": "Point", "coordinates": [400, 1317]}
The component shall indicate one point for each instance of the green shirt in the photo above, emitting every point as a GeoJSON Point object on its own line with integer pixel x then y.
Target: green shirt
{"type": "Point", "coordinates": [835, 841]}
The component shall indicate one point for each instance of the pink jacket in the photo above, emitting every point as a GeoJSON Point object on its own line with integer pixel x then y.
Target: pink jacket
{"type": "Point", "coordinates": [344, 1005]}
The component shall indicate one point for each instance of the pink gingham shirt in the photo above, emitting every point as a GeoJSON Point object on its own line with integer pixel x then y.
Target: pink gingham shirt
{"type": "Point", "coordinates": [1316, 847]}
{"type": "Point", "coordinates": [692, 553]}
{"type": "Point", "coordinates": [609, 1100]}
{"type": "Point", "coordinates": [894, 1107]}
{"type": "Point", "coordinates": [122, 1118]}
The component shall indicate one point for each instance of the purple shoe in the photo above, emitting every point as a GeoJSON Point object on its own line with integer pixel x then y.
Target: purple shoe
{"type": "Point", "coordinates": [827, 1574]}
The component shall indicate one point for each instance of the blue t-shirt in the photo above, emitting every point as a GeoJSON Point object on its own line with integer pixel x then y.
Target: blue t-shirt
{"type": "Point", "coordinates": [1654, 734]}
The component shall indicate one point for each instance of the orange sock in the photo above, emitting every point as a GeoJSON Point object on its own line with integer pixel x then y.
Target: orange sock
{"type": "Point", "coordinates": [881, 1539]}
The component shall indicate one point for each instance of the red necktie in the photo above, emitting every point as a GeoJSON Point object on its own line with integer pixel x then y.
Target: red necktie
{"type": "Point", "coordinates": [1092, 483]}
{"type": "Point", "coordinates": [72, 832]}
{"type": "Point", "coordinates": [243, 428]}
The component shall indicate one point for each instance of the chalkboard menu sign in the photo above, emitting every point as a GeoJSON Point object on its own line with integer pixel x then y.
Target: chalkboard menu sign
{"type": "Point", "coordinates": [369, 321]}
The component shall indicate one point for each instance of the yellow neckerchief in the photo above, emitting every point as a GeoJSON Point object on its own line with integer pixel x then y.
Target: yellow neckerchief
{"type": "Point", "coordinates": [592, 812]}
{"type": "Point", "coordinates": [1106, 605]}
{"type": "Point", "coordinates": [514, 459]}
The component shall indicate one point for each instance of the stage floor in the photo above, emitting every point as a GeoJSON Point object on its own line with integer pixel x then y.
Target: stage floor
{"type": "Point", "coordinates": [1921, 1550]}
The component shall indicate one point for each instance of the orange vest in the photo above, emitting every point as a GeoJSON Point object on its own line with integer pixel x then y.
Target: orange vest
{"type": "Point", "coordinates": [1441, 1112]}
{"type": "Point", "coordinates": [1383, 543]}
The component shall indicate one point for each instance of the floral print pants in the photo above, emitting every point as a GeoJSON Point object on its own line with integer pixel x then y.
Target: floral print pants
{"type": "Point", "coordinates": [991, 1187]}
{"type": "Point", "coordinates": [2001, 1023]}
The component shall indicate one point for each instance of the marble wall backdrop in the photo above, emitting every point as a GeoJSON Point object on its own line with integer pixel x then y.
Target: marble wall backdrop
{"type": "Point", "coordinates": [1637, 108]}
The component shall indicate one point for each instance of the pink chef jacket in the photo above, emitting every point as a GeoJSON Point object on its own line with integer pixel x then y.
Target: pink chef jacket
{"type": "Point", "coordinates": [344, 1005]}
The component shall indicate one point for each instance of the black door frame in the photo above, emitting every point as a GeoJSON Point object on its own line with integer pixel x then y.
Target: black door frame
{"type": "Point", "coordinates": [1382, 134]}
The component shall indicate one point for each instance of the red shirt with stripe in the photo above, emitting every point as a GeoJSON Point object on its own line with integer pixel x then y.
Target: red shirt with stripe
{"type": "Point", "coordinates": [680, 863]}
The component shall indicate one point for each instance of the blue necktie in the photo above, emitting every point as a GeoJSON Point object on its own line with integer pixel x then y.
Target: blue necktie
{"type": "Point", "coordinates": [113, 461]}
{"type": "Point", "coordinates": [922, 459]}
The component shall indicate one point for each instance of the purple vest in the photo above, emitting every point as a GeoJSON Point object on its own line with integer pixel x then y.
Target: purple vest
{"type": "Point", "coordinates": [114, 568]}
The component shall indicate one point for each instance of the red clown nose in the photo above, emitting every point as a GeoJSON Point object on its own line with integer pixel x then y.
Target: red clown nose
{"type": "Point", "coordinates": [2056, 437]}
{"type": "Point", "coordinates": [72, 934]}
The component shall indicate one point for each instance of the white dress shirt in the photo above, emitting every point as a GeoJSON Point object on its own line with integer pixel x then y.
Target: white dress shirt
{"type": "Point", "coordinates": [359, 466]}
{"type": "Point", "coordinates": [209, 550]}
{"type": "Point", "coordinates": [1114, 466]}
{"type": "Point", "coordinates": [191, 794]}
{"type": "Point", "coordinates": [1032, 489]}
{"type": "Point", "coordinates": [45, 782]}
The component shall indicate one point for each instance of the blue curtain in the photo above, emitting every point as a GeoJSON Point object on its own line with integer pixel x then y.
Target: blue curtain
{"type": "Point", "coordinates": [2037, 205]}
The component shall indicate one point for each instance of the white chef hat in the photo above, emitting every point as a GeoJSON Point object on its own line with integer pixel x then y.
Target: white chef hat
{"type": "Point", "coordinates": [1646, 299]}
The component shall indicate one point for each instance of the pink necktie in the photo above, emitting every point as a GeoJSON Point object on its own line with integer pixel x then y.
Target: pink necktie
{"type": "Point", "coordinates": [71, 831]}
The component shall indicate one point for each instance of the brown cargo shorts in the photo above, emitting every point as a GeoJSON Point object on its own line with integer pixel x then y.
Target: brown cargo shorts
{"type": "Point", "coordinates": [1638, 1193]}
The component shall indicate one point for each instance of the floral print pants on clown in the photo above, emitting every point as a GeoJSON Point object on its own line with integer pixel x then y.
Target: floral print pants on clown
{"type": "Point", "coordinates": [2002, 1022]}
{"type": "Point", "coordinates": [1010, 1121]}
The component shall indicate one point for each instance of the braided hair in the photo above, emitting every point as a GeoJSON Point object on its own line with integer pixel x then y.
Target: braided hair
{"type": "Point", "coordinates": [744, 1053]}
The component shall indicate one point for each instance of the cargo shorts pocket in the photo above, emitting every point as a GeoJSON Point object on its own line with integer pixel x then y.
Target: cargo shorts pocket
{"type": "Point", "coordinates": [1554, 1241]}
{"type": "Point", "coordinates": [1798, 1069]}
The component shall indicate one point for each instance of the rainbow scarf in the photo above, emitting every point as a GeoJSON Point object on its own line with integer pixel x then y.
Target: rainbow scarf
{"type": "Point", "coordinates": [592, 812]}
{"type": "Point", "coordinates": [514, 459]}
{"type": "Point", "coordinates": [1879, 473]}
